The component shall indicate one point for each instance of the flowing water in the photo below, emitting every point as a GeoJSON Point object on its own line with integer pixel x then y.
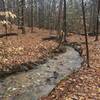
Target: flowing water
{"type": "Point", "coordinates": [39, 82]}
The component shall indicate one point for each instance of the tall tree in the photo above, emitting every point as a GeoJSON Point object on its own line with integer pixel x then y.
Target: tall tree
{"type": "Point", "coordinates": [32, 16]}
{"type": "Point", "coordinates": [5, 10]}
{"type": "Point", "coordinates": [97, 22]}
{"type": "Point", "coordinates": [41, 13]}
{"type": "Point", "coordinates": [59, 24]}
{"type": "Point", "coordinates": [85, 30]}
{"type": "Point", "coordinates": [23, 21]}
{"type": "Point", "coordinates": [64, 21]}
{"type": "Point", "coordinates": [21, 12]}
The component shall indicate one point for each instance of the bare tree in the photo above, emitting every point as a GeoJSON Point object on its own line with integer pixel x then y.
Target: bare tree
{"type": "Point", "coordinates": [64, 21]}
{"type": "Point", "coordinates": [5, 25]}
{"type": "Point", "coordinates": [21, 10]}
{"type": "Point", "coordinates": [85, 30]}
{"type": "Point", "coordinates": [32, 16]}
{"type": "Point", "coordinates": [59, 24]}
{"type": "Point", "coordinates": [97, 22]}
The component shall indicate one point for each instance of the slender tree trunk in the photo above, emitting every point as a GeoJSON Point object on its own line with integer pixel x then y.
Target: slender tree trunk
{"type": "Point", "coordinates": [97, 22]}
{"type": "Point", "coordinates": [36, 18]}
{"type": "Point", "coordinates": [5, 25]}
{"type": "Point", "coordinates": [23, 22]}
{"type": "Point", "coordinates": [59, 19]}
{"type": "Point", "coordinates": [32, 16]}
{"type": "Point", "coordinates": [90, 18]}
{"type": "Point", "coordinates": [85, 30]}
{"type": "Point", "coordinates": [94, 14]}
{"type": "Point", "coordinates": [59, 27]}
{"type": "Point", "coordinates": [18, 14]}
{"type": "Point", "coordinates": [53, 8]}
{"type": "Point", "coordinates": [64, 22]}
{"type": "Point", "coordinates": [41, 14]}
{"type": "Point", "coordinates": [21, 10]}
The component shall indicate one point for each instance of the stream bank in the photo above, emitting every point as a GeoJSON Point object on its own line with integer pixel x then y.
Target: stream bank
{"type": "Point", "coordinates": [39, 82]}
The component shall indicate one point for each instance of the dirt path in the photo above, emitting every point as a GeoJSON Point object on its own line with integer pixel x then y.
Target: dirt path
{"type": "Point", "coordinates": [85, 84]}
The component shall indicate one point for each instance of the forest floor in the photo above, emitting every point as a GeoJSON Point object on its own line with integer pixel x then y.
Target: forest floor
{"type": "Point", "coordinates": [24, 48]}
{"type": "Point", "coordinates": [84, 84]}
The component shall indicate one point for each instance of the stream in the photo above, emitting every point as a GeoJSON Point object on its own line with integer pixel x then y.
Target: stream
{"type": "Point", "coordinates": [39, 82]}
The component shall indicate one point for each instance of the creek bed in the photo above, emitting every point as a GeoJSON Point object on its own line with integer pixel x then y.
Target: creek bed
{"type": "Point", "coordinates": [39, 82]}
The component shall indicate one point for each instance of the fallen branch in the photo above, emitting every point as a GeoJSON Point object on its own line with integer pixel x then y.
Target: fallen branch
{"type": "Point", "coordinates": [8, 34]}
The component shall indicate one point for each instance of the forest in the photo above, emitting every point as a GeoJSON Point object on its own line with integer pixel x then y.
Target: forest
{"type": "Point", "coordinates": [49, 50]}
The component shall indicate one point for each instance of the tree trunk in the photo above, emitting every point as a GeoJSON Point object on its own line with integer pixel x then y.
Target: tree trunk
{"type": "Point", "coordinates": [21, 10]}
{"type": "Point", "coordinates": [85, 30]}
{"type": "Point", "coordinates": [32, 16]}
{"type": "Point", "coordinates": [5, 25]}
{"type": "Point", "coordinates": [23, 23]}
{"type": "Point", "coordinates": [97, 22]}
{"type": "Point", "coordinates": [59, 20]}
{"type": "Point", "coordinates": [64, 22]}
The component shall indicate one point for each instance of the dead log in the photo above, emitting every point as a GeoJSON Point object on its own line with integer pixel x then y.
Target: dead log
{"type": "Point", "coordinates": [51, 37]}
{"type": "Point", "coordinates": [8, 34]}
